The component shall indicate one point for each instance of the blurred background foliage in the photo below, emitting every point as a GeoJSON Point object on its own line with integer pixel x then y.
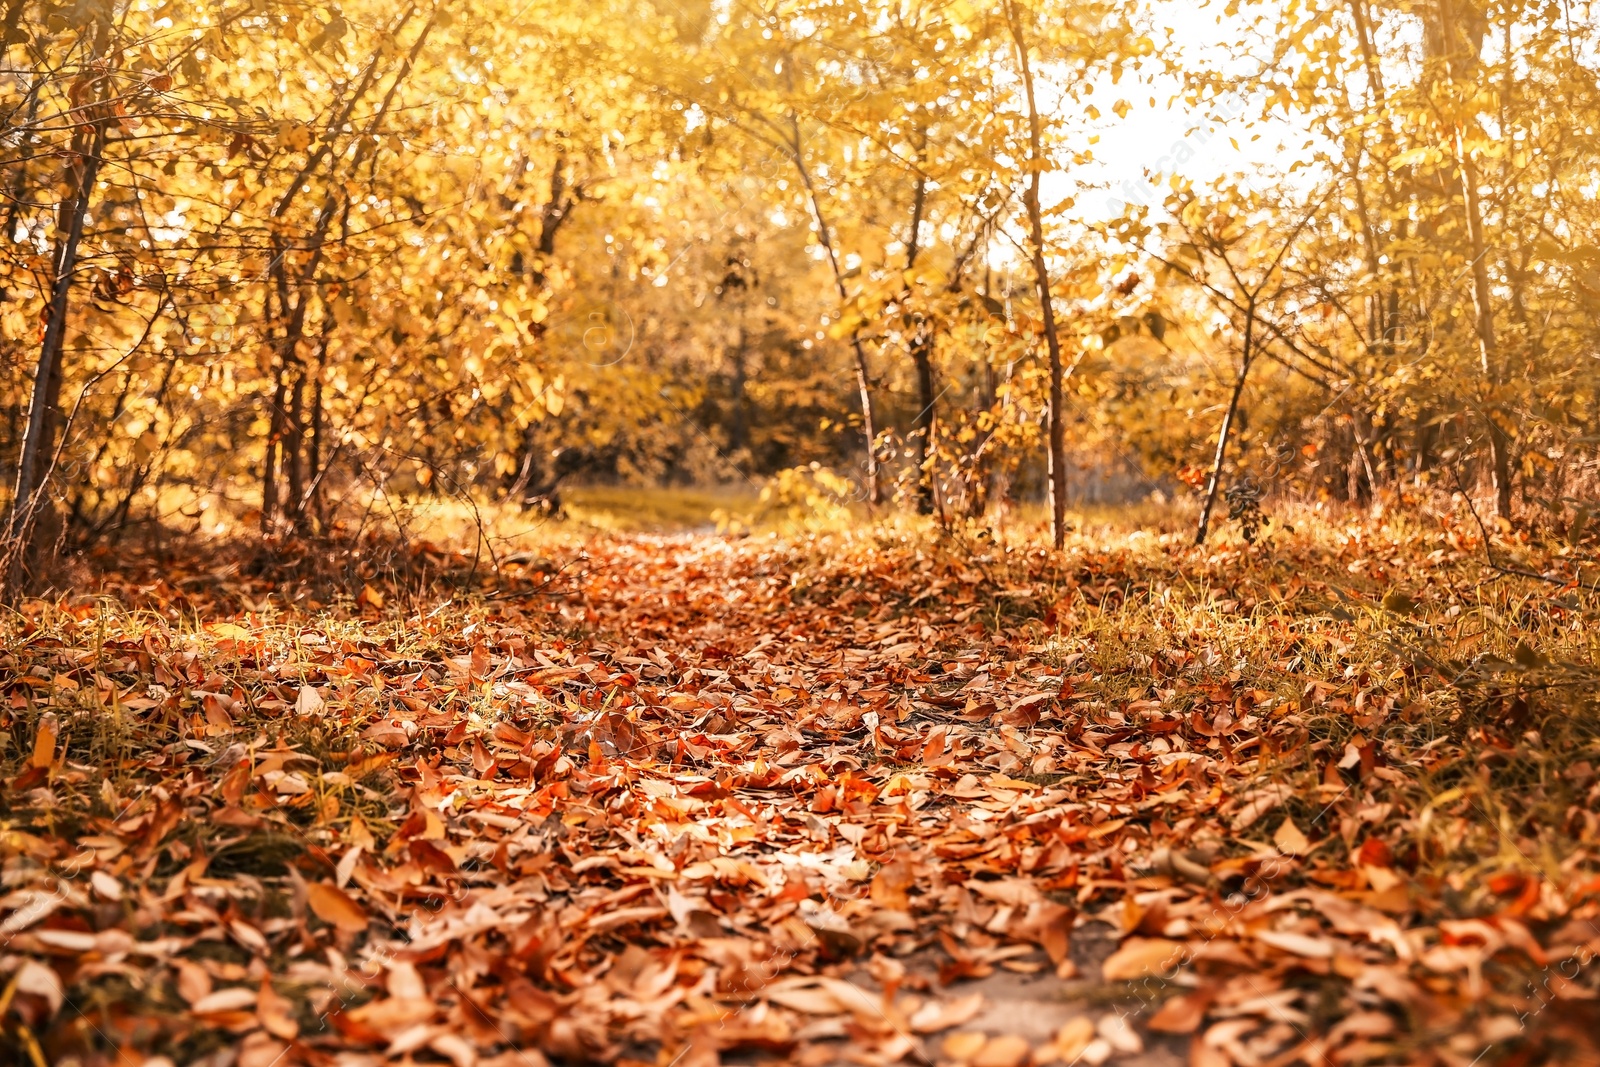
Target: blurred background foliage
{"type": "Point", "coordinates": [269, 266]}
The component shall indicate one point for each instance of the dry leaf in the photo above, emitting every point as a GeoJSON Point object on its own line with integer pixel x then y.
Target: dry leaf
{"type": "Point", "coordinates": [194, 984]}
{"type": "Point", "coordinates": [962, 1046]}
{"type": "Point", "coordinates": [1073, 1037]}
{"type": "Point", "coordinates": [1117, 1032]}
{"type": "Point", "coordinates": [335, 907]}
{"type": "Point", "coordinates": [1182, 1014]}
{"type": "Point", "coordinates": [276, 1013]}
{"type": "Point", "coordinates": [1006, 1050]}
{"type": "Point", "coordinates": [105, 886]}
{"type": "Point", "coordinates": [1139, 956]}
{"type": "Point", "coordinates": [234, 998]}
{"type": "Point", "coordinates": [1299, 944]}
{"type": "Point", "coordinates": [309, 702]}
{"type": "Point", "coordinates": [1290, 841]}
{"type": "Point", "coordinates": [937, 1015]}
{"type": "Point", "coordinates": [44, 741]}
{"type": "Point", "coordinates": [38, 980]}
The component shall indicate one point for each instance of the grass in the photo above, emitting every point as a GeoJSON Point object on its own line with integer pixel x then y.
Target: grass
{"type": "Point", "coordinates": [625, 509]}
{"type": "Point", "coordinates": [1471, 692]}
{"type": "Point", "coordinates": [1474, 690]}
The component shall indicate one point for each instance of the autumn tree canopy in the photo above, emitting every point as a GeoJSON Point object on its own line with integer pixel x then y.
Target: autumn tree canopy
{"type": "Point", "coordinates": [1096, 565]}
{"type": "Point", "coordinates": [266, 263]}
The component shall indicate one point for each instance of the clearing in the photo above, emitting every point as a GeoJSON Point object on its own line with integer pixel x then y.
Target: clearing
{"type": "Point", "coordinates": [867, 797]}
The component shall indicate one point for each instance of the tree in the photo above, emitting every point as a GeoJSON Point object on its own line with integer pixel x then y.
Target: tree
{"type": "Point", "coordinates": [1057, 433]}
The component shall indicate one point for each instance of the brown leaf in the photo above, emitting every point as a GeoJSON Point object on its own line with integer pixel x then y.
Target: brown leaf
{"type": "Point", "coordinates": [231, 999]}
{"type": "Point", "coordinates": [309, 702]}
{"type": "Point", "coordinates": [1183, 1014]}
{"type": "Point", "coordinates": [194, 984]}
{"type": "Point", "coordinates": [964, 1045]}
{"type": "Point", "coordinates": [431, 857]}
{"type": "Point", "coordinates": [276, 1013]}
{"type": "Point", "coordinates": [44, 741]}
{"type": "Point", "coordinates": [1290, 841]}
{"type": "Point", "coordinates": [41, 981]}
{"type": "Point", "coordinates": [335, 907]}
{"type": "Point", "coordinates": [1139, 956]}
{"type": "Point", "coordinates": [889, 885]}
{"type": "Point", "coordinates": [937, 1015]}
{"type": "Point", "coordinates": [1006, 1050]}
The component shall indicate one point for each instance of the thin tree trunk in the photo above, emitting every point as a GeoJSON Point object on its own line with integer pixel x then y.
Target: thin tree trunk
{"type": "Point", "coordinates": [868, 428]}
{"type": "Point", "coordinates": [272, 463]}
{"type": "Point", "coordinates": [277, 459]}
{"type": "Point", "coordinates": [921, 343]}
{"type": "Point", "coordinates": [863, 377]}
{"type": "Point", "coordinates": [29, 495]}
{"type": "Point", "coordinates": [294, 445]}
{"type": "Point", "coordinates": [119, 513]}
{"type": "Point", "coordinates": [1488, 348]}
{"type": "Point", "coordinates": [1453, 38]}
{"type": "Point", "coordinates": [1057, 432]}
{"type": "Point", "coordinates": [924, 426]}
{"type": "Point", "coordinates": [1215, 481]}
{"type": "Point", "coordinates": [557, 209]}
{"type": "Point", "coordinates": [519, 488]}
{"type": "Point", "coordinates": [16, 198]}
{"type": "Point", "coordinates": [739, 422]}
{"type": "Point", "coordinates": [311, 503]}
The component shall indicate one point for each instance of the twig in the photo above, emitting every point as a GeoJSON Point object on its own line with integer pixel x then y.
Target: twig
{"type": "Point", "coordinates": [1494, 564]}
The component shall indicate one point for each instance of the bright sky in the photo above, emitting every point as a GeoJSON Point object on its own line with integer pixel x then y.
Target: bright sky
{"type": "Point", "coordinates": [1158, 138]}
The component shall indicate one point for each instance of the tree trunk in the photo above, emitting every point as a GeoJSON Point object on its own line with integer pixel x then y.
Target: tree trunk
{"type": "Point", "coordinates": [272, 462]}
{"type": "Point", "coordinates": [739, 420]}
{"type": "Point", "coordinates": [526, 472]}
{"type": "Point", "coordinates": [313, 498]}
{"type": "Point", "coordinates": [1453, 40]}
{"type": "Point", "coordinates": [863, 377]}
{"type": "Point", "coordinates": [1215, 481]}
{"type": "Point", "coordinates": [868, 429]}
{"type": "Point", "coordinates": [278, 460]}
{"type": "Point", "coordinates": [921, 341]}
{"type": "Point", "coordinates": [294, 444]}
{"type": "Point", "coordinates": [923, 431]}
{"type": "Point", "coordinates": [1057, 432]}
{"type": "Point", "coordinates": [39, 437]}
{"type": "Point", "coordinates": [1500, 445]}
{"type": "Point", "coordinates": [557, 209]}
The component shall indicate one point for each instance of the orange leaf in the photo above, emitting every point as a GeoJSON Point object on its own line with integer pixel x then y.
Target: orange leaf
{"type": "Point", "coordinates": [333, 906]}
{"type": "Point", "coordinates": [1139, 956]}
{"type": "Point", "coordinates": [44, 741]}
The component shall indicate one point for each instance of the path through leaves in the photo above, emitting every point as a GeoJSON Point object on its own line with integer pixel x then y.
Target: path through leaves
{"type": "Point", "coordinates": [711, 800]}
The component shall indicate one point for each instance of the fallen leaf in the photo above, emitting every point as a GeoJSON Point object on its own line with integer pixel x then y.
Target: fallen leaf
{"type": "Point", "coordinates": [335, 907]}
{"type": "Point", "coordinates": [937, 1015]}
{"type": "Point", "coordinates": [39, 980]}
{"type": "Point", "coordinates": [1073, 1037]}
{"type": "Point", "coordinates": [1290, 841]}
{"type": "Point", "coordinates": [234, 998]}
{"type": "Point", "coordinates": [309, 702]}
{"type": "Point", "coordinates": [963, 1045]}
{"type": "Point", "coordinates": [1182, 1014]}
{"type": "Point", "coordinates": [1299, 944]}
{"type": "Point", "coordinates": [44, 741]}
{"type": "Point", "coordinates": [276, 1013]}
{"type": "Point", "coordinates": [1006, 1050]}
{"type": "Point", "coordinates": [1139, 956]}
{"type": "Point", "coordinates": [1121, 1036]}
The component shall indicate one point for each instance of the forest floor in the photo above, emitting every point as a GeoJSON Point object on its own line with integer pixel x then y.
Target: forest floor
{"type": "Point", "coordinates": [860, 797]}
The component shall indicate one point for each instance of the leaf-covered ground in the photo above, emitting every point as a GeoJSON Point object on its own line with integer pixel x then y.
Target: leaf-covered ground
{"type": "Point", "coordinates": [871, 798]}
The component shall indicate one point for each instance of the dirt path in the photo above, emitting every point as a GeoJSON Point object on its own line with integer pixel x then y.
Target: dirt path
{"type": "Point", "coordinates": [890, 752]}
{"type": "Point", "coordinates": [707, 800]}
